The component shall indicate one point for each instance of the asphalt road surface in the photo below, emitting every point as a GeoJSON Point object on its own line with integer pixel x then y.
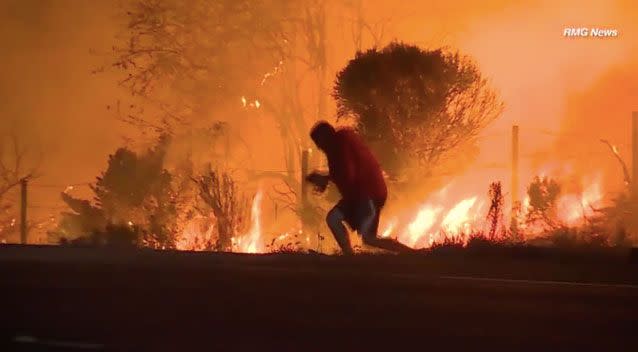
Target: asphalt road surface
{"type": "Point", "coordinates": [81, 299]}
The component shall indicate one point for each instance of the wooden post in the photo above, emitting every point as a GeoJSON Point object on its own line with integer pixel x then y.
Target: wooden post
{"type": "Point", "coordinates": [23, 211]}
{"type": "Point", "coordinates": [515, 196]}
{"type": "Point", "coordinates": [303, 197]}
{"type": "Point", "coordinates": [634, 154]}
{"type": "Point", "coordinates": [305, 154]}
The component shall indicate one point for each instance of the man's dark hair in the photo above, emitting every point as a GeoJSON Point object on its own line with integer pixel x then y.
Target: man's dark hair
{"type": "Point", "coordinates": [321, 131]}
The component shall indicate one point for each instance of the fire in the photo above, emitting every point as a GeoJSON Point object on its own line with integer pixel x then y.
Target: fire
{"type": "Point", "coordinates": [450, 214]}
{"type": "Point", "coordinates": [444, 217]}
{"type": "Point", "coordinates": [419, 227]}
{"type": "Point", "coordinates": [433, 223]}
{"type": "Point", "coordinates": [573, 208]}
{"type": "Point", "coordinates": [458, 218]}
{"type": "Point", "coordinates": [252, 241]}
{"type": "Point", "coordinates": [283, 236]}
{"type": "Point", "coordinates": [268, 75]}
{"type": "Point", "coordinates": [388, 230]}
{"type": "Point", "coordinates": [197, 235]}
{"type": "Point", "coordinates": [250, 104]}
{"type": "Point", "coordinates": [592, 195]}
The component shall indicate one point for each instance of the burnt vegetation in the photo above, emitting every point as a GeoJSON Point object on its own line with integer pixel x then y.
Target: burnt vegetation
{"type": "Point", "coordinates": [221, 195]}
{"type": "Point", "coordinates": [16, 164]}
{"type": "Point", "coordinates": [188, 67]}
{"type": "Point", "coordinates": [136, 193]}
{"type": "Point", "coordinates": [424, 104]}
{"type": "Point", "coordinates": [495, 217]}
{"type": "Point", "coordinates": [543, 193]}
{"type": "Point", "coordinates": [139, 202]}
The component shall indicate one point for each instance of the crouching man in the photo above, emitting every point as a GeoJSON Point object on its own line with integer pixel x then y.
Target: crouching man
{"type": "Point", "coordinates": [359, 178]}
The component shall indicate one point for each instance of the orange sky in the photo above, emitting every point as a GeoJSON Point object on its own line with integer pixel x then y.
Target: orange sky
{"type": "Point", "coordinates": [544, 78]}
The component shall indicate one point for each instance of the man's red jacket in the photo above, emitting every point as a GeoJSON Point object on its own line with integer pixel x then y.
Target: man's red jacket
{"type": "Point", "coordinates": [354, 169]}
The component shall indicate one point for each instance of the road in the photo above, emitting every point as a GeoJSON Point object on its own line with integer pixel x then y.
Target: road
{"type": "Point", "coordinates": [95, 299]}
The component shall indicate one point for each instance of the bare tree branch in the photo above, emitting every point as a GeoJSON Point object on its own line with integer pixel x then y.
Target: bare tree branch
{"type": "Point", "coordinates": [614, 151]}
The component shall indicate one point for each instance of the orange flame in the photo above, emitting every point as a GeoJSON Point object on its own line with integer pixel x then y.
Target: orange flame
{"type": "Point", "coordinates": [437, 221]}
{"type": "Point", "coordinates": [457, 220]}
{"type": "Point", "coordinates": [252, 242]}
{"type": "Point", "coordinates": [573, 208]}
{"type": "Point", "coordinates": [389, 228]}
{"type": "Point", "coordinates": [422, 223]}
{"type": "Point", "coordinates": [196, 235]}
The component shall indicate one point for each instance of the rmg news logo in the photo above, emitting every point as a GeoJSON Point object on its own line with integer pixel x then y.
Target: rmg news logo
{"type": "Point", "coordinates": [581, 32]}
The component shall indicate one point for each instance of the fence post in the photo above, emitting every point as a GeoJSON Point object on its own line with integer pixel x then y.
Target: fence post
{"type": "Point", "coordinates": [634, 154]}
{"type": "Point", "coordinates": [304, 172]}
{"type": "Point", "coordinates": [23, 210]}
{"type": "Point", "coordinates": [516, 204]}
{"type": "Point", "coordinates": [305, 155]}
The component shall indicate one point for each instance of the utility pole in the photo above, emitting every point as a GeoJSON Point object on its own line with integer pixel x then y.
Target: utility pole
{"type": "Point", "coordinates": [516, 204]}
{"type": "Point", "coordinates": [23, 210]}
{"type": "Point", "coordinates": [634, 154]}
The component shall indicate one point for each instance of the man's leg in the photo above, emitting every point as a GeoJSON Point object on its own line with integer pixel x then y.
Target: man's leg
{"type": "Point", "coordinates": [335, 218]}
{"type": "Point", "coordinates": [368, 215]}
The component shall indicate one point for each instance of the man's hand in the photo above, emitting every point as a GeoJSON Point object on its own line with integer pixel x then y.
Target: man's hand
{"type": "Point", "coordinates": [320, 181]}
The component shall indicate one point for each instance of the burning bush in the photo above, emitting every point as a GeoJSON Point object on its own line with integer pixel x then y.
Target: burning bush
{"type": "Point", "coordinates": [495, 213]}
{"type": "Point", "coordinates": [219, 192]}
{"type": "Point", "coordinates": [135, 190]}
{"type": "Point", "coordinates": [619, 219]}
{"type": "Point", "coordinates": [543, 193]}
{"type": "Point", "coordinates": [121, 236]}
{"type": "Point", "coordinates": [414, 104]}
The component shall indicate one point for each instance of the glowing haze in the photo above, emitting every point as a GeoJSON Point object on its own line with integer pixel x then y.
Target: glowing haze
{"type": "Point", "coordinates": [565, 94]}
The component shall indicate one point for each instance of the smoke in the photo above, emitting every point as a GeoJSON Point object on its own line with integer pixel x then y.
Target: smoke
{"type": "Point", "coordinates": [566, 94]}
{"type": "Point", "coordinates": [602, 111]}
{"type": "Point", "coordinates": [50, 99]}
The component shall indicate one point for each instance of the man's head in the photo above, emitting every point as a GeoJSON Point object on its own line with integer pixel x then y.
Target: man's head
{"type": "Point", "coordinates": [323, 134]}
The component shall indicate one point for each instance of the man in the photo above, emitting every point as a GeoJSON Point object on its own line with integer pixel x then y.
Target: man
{"type": "Point", "coordinates": [359, 178]}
